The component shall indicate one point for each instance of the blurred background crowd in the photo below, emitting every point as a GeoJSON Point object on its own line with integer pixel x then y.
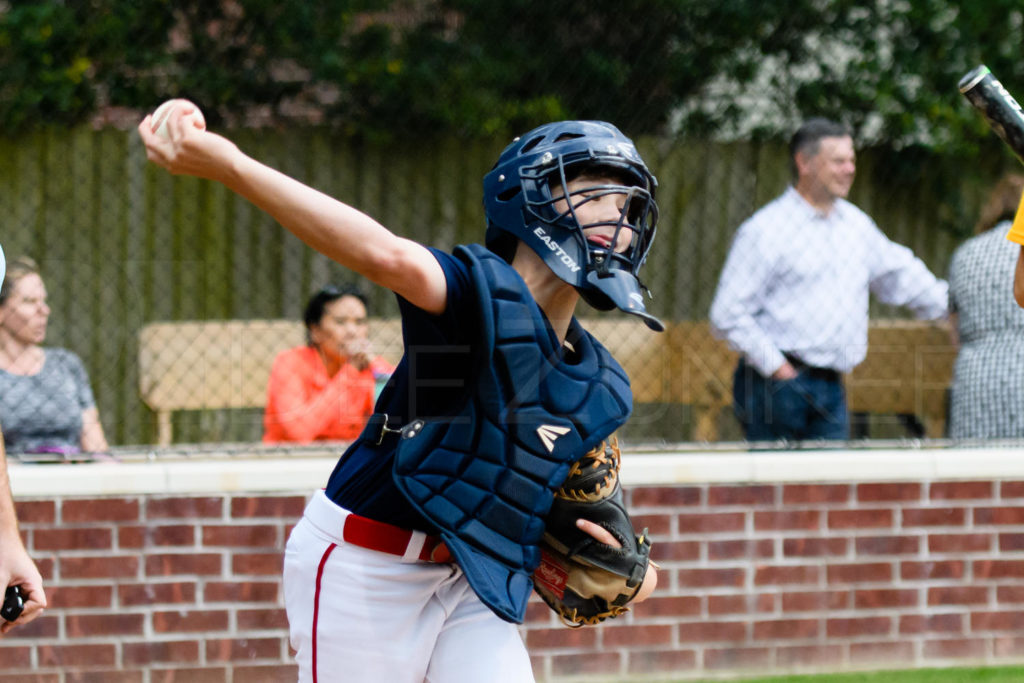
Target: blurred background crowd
{"type": "Point", "coordinates": [398, 107]}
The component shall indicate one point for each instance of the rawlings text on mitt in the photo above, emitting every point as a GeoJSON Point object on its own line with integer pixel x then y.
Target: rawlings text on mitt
{"type": "Point", "coordinates": [583, 580]}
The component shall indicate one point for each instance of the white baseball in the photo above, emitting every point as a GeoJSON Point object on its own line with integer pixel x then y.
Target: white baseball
{"type": "Point", "coordinates": [163, 114]}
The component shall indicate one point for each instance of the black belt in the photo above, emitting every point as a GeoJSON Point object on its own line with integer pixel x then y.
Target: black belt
{"type": "Point", "coordinates": [827, 374]}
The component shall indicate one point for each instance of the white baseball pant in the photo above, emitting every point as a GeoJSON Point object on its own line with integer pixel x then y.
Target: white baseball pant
{"type": "Point", "coordinates": [362, 615]}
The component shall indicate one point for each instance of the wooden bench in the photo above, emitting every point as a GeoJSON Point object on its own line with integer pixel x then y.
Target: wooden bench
{"type": "Point", "coordinates": [212, 365]}
{"type": "Point", "coordinates": [209, 365]}
{"type": "Point", "coordinates": [907, 371]}
{"type": "Point", "coordinates": [224, 364]}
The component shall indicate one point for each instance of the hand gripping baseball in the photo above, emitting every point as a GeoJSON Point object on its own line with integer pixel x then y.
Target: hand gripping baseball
{"type": "Point", "coordinates": [176, 138]}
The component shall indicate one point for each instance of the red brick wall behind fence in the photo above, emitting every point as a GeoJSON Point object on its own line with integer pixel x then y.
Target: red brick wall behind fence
{"type": "Point", "coordinates": [755, 578]}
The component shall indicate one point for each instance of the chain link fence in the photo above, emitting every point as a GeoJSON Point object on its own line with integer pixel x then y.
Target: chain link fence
{"type": "Point", "coordinates": [710, 92]}
{"type": "Point", "coordinates": [123, 245]}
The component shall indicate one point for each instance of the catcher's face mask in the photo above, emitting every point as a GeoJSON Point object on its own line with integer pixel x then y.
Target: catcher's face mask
{"type": "Point", "coordinates": [525, 198]}
{"type": "Point", "coordinates": [611, 220]}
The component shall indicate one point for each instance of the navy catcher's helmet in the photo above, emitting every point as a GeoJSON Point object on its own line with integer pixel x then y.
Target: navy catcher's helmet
{"type": "Point", "coordinates": [519, 204]}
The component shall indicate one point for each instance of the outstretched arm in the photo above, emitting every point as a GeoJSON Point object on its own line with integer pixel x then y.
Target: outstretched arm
{"type": "Point", "coordinates": [336, 230]}
{"type": "Point", "coordinates": [16, 568]}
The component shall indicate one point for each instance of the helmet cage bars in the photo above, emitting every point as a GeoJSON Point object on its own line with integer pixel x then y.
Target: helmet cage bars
{"type": "Point", "coordinates": [525, 199]}
{"type": "Point", "coordinates": [638, 215]}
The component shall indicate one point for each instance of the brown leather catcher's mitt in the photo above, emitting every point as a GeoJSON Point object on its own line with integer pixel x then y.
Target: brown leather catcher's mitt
{"type": "Point", "coordinates": [583, 580]}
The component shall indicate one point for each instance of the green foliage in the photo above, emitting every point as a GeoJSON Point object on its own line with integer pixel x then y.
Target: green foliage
{"type": "Point", "coordinates": [392, 68]}
{"type": "Point", "coordinates": [44, 65]}
{"type": "Point", "coordinates": [890, 69]}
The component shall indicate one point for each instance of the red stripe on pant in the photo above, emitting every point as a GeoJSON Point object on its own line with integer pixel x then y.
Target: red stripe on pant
{"type": "Point", "coordinates": [316, 599]}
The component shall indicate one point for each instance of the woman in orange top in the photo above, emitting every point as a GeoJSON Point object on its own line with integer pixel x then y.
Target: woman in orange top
{"type": "Point", "coordinates": [325, 391]}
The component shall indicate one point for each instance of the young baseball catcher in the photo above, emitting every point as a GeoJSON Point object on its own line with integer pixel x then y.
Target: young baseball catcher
{"type": "Point", "coordinates": [490, 465]}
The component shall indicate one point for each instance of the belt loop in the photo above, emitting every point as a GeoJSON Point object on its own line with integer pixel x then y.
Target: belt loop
{"type": "Point", "coordinates": [415, 546]}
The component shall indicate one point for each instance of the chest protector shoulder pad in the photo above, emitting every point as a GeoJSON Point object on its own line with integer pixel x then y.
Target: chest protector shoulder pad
{"type": "Point", "coordinates": [486, 476]}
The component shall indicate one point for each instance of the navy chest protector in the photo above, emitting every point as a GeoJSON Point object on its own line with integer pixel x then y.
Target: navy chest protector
{"type": "Point", "coordinates": [486, 476]}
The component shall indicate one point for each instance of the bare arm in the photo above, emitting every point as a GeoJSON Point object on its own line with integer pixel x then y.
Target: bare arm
{"type": "Point", "coordinates": [93, 438]}
{"type": "Point", "coordinates": [16, 567]}
{"type": "Point", "coordinates": [336, 230]}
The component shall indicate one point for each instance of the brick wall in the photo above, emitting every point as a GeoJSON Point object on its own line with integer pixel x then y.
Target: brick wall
{"type": "Point", "coordinates": [180, 588]}
{"type": "Point", "coordinates": [800, 577]}
{"type": "Point", "coordinates": [756, 577]}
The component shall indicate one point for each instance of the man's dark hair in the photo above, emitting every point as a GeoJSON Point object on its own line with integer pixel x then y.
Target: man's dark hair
{"type": "Point", "coordinates": [807, 139]}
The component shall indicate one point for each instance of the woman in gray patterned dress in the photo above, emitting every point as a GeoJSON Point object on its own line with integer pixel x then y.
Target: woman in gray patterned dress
{"type": "Point", "coordinates": [46, 403]}
{"type": "Point", "coordinates": [987, 397]}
